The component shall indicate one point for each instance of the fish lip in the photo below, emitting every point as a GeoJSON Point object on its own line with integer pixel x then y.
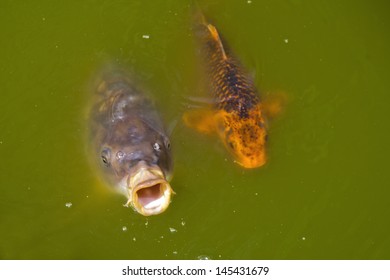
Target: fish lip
{"type": "Point", "coordinates": [149, 192]}
{"type": "Point", "coordinates": [251, 164]}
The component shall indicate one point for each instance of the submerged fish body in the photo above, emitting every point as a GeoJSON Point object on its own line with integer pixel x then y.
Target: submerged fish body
{"type": "Point", "coordinates": [237, 116]}
{"type": "Point", "coordinates": [131, 147]}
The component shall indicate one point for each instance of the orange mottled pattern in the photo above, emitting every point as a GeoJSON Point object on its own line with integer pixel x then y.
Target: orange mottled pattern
{"type": "Point", "coordinates": [239, 120]}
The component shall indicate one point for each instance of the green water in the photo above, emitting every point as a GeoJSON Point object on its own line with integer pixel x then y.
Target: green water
{"type": "Point", "coordinates": [324, 193]}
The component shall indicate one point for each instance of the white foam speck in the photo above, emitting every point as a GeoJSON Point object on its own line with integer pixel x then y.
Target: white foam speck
{"type": "Point", "coordinates": [256, 193]}
{"type": "Point", "coordinates": [124, 228]}
{"type": "Point", "coordinates": [172, 229]}
{"type": "Point", "coordinates": [68, 204]}
{"type": "Point", "coordinates": [249, 1]}
{"type": "Point", "coordinates": [145, 36]}
{"type": "Point", "coordinates": [174, 252]}
{"type": "Point", "coordinates": [183, 223]}
{"type": "Point", "coordinates": [286, 41]}
{"type": "Point", "coordinates": [134, 239]}
{"type": "Point", "coordinates": [203, 257]}
{"type": "Point", "coordinates": [303, 238]}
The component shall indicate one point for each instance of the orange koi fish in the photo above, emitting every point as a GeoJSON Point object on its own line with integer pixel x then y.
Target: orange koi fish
{"type": "Point", "coordinates": [237, 116]}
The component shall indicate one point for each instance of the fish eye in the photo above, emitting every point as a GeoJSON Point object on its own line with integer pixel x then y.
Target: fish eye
{"type": "Point", "coordinates": [120, 155]}
{"type": "Point", "coordinates": [156, 146]}
{"type": "Point", "coordinates": [105, 156]}
{"type": "Point", "coordinates": [105, 160]}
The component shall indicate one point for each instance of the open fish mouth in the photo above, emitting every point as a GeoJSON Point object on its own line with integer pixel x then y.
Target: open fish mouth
{"type": "Point", "coordinates": [149, 191]}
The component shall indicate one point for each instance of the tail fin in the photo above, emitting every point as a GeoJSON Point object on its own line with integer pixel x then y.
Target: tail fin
{"type": "Point", "coordinates": [198, 17]}
{"type": "Point", "coordinates": [204, 29]}
{"type": "Point", "coordinates": [215, 35]}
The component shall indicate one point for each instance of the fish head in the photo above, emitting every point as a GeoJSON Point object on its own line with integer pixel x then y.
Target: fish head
{"type": "Point", "coordinates": [138, 159]}
{"type": "Point", "coordinates": [244, 138]}
{"type": "Point", "coordinates": [140, 178]}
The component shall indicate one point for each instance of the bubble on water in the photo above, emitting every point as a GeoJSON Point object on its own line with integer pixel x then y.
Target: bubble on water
{"type": "Point", "coordinates": [134, 239]}
{"type": "Point", "coordinates": [68, 204]}
{"type": "Point", "coordinates": [172, 229]}
{"type": "Point", "coordinates": [204, 258]}
{"type": "Point", "coordinates": [303, 238]}
{"type": "Point", "coordinates": [124, 228]}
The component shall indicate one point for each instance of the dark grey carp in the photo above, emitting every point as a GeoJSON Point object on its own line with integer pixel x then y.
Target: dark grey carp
{"type": "Point", "coordinates": [130, 145]}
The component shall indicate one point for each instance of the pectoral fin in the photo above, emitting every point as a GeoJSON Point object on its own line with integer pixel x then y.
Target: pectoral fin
{"type": "Point", "coordinates": [201, 120]}
{"type": "Point", "coordinates": [274, 104]}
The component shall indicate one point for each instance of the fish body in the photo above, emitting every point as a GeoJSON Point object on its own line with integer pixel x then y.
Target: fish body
{"type": "Point", "coordinates": [237, 114]}
{"type": "Point", "coordinates": [130, 145]}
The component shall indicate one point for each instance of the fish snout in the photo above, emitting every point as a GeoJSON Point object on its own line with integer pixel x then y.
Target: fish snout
{"type": "Point", "coordinates": [149, 191]}
{"type": "Point", "coordinates": [252, 162]}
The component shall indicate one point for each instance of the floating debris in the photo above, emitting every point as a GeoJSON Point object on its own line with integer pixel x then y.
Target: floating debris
{"type": "Point", "coordinates": [172, 230]}
{"type": "Point", "coordinates": [68, 204]}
